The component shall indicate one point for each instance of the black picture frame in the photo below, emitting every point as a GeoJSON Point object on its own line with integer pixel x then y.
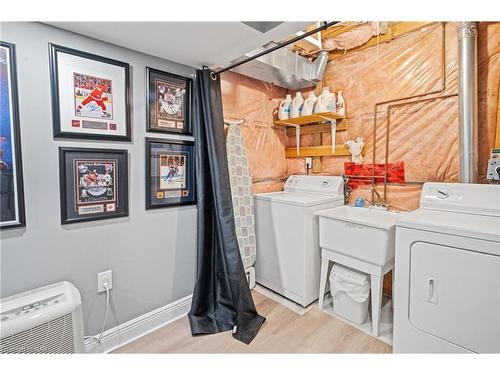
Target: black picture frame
{"type": "Point", "coordinates": [11, 184]}
{"type": "Point", "coordinates": [152, 100]}
{"type": "Point", "coordinates": [71, 159]}
{"type": "Point", "coordinates": [171, 196]}
{"type": "Point", "coordinates": [54, 51]}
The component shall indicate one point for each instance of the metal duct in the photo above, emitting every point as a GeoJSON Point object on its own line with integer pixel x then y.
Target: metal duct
{"type": "Point", "coordinates": [318, 67]}
{"type": "Point", "coordinates": [284, 68]}
{"type": "Point", "coordinates": [467, 100]}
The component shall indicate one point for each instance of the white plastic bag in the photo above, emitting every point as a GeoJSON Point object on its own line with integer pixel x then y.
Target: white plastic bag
{"type": "Point", "coordinates": [354, 283]}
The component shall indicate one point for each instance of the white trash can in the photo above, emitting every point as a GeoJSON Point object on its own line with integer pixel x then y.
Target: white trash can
{"type": "Point", "coordinates": [350, 290]}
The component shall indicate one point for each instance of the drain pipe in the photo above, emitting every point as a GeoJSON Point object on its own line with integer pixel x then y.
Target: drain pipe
{"type": "Point", "coordinates": [467, 100]}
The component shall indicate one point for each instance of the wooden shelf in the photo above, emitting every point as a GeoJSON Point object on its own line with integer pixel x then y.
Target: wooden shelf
{"type": "Point", "coordinates": [317, 118]}
{"type": "Point", "coordinates": [317, 128]}
{"type": "Point", "coordinates": [314, 124]}
{"type": "Point", "coordinates": [340, 150]}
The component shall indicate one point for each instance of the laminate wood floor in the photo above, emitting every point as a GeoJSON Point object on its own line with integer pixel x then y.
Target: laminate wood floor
{"type": "Point", "coordinates": [283, 332]}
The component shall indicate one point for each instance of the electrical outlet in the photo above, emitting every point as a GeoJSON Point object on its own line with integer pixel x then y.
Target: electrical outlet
{"type": "Point", "coordinates": [103, 278]}
{"type": "Point", "coordinates": [309, 162]}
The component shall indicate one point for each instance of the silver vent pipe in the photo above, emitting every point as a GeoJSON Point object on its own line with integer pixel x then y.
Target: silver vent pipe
{"type": "Point", "coordinates": [318, 67]}
{"type": "Point", "coordinates": [467, 101]}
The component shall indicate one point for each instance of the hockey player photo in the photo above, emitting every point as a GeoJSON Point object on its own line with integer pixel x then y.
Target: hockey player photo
{"type": "Point", "coordinates": [170, 105]}
{"type": "Point", "coordinates": [93, 96]}
{"type": "Point", "coordinates": [172, 172]}
{"type": "Point", "coordinates": [95, 181]}
{"type": "Point", "coordinates": [168, 98]}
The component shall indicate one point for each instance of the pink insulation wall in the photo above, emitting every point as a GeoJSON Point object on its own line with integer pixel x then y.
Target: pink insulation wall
{"type": "Point", "coordinates": [256, 102]}
{"type": "Point", "coordinates": [423, 134]}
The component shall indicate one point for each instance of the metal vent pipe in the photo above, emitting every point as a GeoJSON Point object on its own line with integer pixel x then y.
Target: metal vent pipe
{"type": "Point", "coordinates": [467, 100]}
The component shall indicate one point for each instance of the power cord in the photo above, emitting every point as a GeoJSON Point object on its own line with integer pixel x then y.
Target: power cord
{"type": "Point", "coordinates": [98, 339]}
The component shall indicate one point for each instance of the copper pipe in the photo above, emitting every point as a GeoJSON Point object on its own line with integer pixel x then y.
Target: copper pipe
{"type": "Point", "coordinates": [439, 91]}
{"type": "Point", "coordinates": [388, 123]}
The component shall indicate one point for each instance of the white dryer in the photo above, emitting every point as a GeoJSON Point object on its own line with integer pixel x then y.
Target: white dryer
{"type": "Point", "coordinates": [286, 229]}
{"type": "Point", "coordinates": [447, 272]}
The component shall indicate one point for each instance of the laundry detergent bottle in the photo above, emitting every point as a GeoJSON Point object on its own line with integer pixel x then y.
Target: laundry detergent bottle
{"type": "Point", "coordinates": [284, 108]}
{"type": "Point", "coordinates": [326, 101]}
{"type": "Point", "coordinates": [297, 104]}
{"type": "Point", "coordinates": [309, 103]}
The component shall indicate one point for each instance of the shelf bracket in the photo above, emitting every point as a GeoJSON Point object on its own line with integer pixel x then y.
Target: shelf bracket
{"type": "Point", "coordinates": [333, 130]}
{"type": "Point", "coordinates": [297, 135]}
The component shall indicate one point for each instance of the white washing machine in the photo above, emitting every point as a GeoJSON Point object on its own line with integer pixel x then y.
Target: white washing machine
{"type": "Point", "coordinates": [447, 274]}
{"type": "Point", "coordinates": [288, 252]}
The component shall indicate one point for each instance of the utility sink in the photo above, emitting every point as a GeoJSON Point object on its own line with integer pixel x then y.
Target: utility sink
{"type": "Point", "coordinates": [366, 234]}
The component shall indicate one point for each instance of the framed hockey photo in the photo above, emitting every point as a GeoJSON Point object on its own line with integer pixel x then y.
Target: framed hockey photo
{"type": "Point", "coordinates": [11, 174]}
{"type": "Point", "coordinates": [94, 184]}
{"type": "Point", "coordinates": [169, 99]}
{"type": "Point", "coordinates": [90, 95]}
{"type": "Point", "coordinates": [169, 173]}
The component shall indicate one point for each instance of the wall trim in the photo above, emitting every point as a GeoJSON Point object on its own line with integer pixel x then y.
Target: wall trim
{"type": "Point", "coordinates": [131, 330]}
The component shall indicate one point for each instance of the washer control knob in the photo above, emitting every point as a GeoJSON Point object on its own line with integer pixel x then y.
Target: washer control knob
{"type": "Point", "coordinates": [443, 193]}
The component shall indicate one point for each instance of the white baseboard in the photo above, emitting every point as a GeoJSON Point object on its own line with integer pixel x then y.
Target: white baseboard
{"type": "Point", "coordinates": [129, 331]}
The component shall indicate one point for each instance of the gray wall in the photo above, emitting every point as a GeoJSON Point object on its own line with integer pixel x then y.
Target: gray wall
{"type": "Point", "coordinates": [151, 253]}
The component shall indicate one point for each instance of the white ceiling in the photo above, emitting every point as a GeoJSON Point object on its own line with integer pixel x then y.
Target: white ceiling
{"type": "Point", "coordinates": [195, 44]}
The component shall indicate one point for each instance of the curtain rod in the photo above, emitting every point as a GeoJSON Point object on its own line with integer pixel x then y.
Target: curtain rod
{"type": "Point", "coordinates": [325, 25]}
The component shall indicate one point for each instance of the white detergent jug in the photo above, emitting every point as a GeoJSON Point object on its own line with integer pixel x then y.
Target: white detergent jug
{"type": "Point", "coordinates": [309, 103]}
{"type": "Point", "coordinates": [284, 108]}
{"type": "Point", "coordinates": [326, 101]}
{"type": "Point", "coordinates": [297, 104]}
{"type": "Point", "coordinates": [340, 107]}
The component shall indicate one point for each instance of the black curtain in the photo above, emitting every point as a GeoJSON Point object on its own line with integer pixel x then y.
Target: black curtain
{"type": "Point", "coordinates": [221, 297]}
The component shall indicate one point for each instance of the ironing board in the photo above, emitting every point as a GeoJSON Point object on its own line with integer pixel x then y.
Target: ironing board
{"type": "Point", "coordinates": [241, 191]}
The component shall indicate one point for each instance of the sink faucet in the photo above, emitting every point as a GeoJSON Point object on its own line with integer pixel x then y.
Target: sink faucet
{"type": "Point", "coordinates": [347, 189]}
{"type": "Point", "coordinates": [378, 202]}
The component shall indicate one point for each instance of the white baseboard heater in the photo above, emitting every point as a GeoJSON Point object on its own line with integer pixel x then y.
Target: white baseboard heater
{"type": "Point", "coordinates": [42, 320]}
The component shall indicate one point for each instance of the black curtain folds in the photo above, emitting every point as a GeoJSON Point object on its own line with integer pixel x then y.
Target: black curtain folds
{"type": "Point", "coordinates": [221, 297]}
